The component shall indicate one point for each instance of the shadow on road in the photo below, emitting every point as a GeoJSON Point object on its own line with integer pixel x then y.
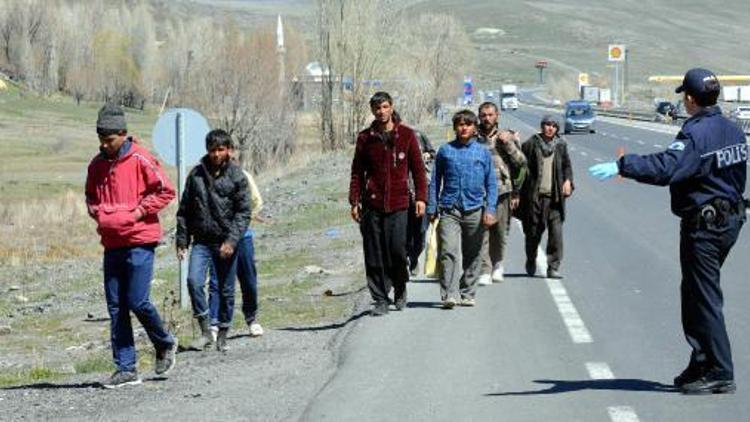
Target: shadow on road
{"type": "Point", "coordinates": [428, 305]}
{"type": "Point", "coordinates": [567, 386]}
{"type": "Point", "coordinates": [334, 326]}
{"type": "Point", "coordinates": [73, 386]}
{"type": "Point", "coordinates": [423, 279]}
{"type": "Point", "coordinates": [50, 386]}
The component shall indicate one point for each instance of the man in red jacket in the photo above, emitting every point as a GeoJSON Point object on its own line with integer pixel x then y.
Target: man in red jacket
{"type": "Point", "coordinates": [385, 154]}
{"type": "Point", "coordinates": [125, 190]}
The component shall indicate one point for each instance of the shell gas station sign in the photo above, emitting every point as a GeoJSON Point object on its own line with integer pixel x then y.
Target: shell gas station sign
{"type": "Point", "coordinates": [616, 52]}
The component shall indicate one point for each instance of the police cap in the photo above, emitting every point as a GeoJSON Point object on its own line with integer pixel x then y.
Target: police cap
{"type": "Point", "coordinates": [699, 82]}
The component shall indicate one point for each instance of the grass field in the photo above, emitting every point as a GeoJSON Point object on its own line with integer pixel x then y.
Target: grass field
{"type": "Point", "coordinates": [47, 144]}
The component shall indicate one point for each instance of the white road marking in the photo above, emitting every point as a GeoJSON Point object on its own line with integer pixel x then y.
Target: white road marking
{"type": "Point", "coordinates": [598, 160]}
{"type": "Point", "coordinates": [658, 146]}
{"type": "Point", "coordinates": [641, 142]}
{"type": "Point", "coordinates": [622, 414]}
{"type": "Point", "coordinates": [627, 138]}
{"type": "Point", "coordinates": [614, 136]}
{"type": "Point", "coordinates": [599, 371]}
{"type": "Point", "coordinates": [583, 153]}
{"type": "Point", "coordinates": [576, 328]}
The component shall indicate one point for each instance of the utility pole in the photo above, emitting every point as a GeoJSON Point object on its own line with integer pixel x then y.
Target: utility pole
{"type": "Point", "coordinates": [281, 53]}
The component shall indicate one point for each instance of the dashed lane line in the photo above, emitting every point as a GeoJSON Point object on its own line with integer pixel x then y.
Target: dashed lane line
{"type": "Point", "coordinates": [622, 414]}
{"type": "Point", "coordinates": [584, 154]}
{"type": "Point", "coordinates": [576, 328]}
{"type": "Point", "coordinates": [641, 142]}
{"type": "Point", "coordinates": [658, 146]}
{"type": "Point", "coordinates": [599, 371]}
{"type": "Point", "coordinates": [572, 320]}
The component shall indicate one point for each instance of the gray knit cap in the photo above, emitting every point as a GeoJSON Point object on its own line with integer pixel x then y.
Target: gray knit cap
{"type": "Point", "coordinates": [548, 118]}
{"type": "Point", "coordinates": [111, 117]}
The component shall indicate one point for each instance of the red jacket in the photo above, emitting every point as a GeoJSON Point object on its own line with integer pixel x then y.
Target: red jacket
{"type": "Point", "coordinates": [380, 170]}
{"type": "Point", "coordinates": [115, 188]}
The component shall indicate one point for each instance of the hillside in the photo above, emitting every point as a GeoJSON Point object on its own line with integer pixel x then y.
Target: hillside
{"type": "Point", "coordinates": [664, 37]}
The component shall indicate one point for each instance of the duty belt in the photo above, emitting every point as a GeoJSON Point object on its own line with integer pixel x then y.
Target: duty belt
{"type": "Point", "coordinates": [716, 213]}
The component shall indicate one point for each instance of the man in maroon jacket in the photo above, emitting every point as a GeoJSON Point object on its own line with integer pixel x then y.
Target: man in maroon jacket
{"type": "Point", "coordinates": [385, 154]}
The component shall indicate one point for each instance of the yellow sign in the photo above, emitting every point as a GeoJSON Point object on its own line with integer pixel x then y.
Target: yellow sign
{"type": "Point", "coordinates": [583, 79]}
{"type": "Point", "coordinates": [3, 85]}
{"type": "Point", "coordinates": [616, 52]}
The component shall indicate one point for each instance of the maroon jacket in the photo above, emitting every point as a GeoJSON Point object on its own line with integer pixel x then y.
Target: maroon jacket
{"type": "Point", "coordinates": [380, 170]}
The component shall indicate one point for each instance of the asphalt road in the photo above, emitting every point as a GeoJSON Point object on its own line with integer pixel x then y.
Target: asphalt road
{"type": "Point", "coordinates": [603, 344]}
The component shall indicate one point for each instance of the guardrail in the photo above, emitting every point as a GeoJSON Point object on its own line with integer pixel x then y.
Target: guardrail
{"type": "Point", "coordinates": [638, 115]}
{"type": "Point", "coordinates": [744, 124]}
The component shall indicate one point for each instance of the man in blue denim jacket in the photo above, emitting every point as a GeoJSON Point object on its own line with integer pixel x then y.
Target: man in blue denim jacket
{"type": "Point", "coordinates": [463, 179]}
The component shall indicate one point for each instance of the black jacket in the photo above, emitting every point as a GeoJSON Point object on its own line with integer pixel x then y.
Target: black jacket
{"type": "Point", "coordinates": [562, 170]}
{"type": "Point", "coordinates": [213, 210]}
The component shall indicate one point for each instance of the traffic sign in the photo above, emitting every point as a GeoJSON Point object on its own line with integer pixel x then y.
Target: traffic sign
{"type": "Point", "coordinates": [165, 135]}
{"type": "Point", "coordinates": [583, 79]}
{"type": "Point", "coordinates": [180, 140]}
{"type": "Point", "coordinates": [616, 52]}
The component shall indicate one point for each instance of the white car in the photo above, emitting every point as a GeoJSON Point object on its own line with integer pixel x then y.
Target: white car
{"type": "Point", "coordinates": [742, 113]}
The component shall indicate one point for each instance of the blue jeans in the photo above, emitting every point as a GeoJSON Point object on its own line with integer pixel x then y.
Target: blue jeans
{"type": "Point", "coordinates": [127, 283]}
{"type": "Point", "coordinates": [202, 258]}
{"type": "Point", "coordinates": [248, 276]}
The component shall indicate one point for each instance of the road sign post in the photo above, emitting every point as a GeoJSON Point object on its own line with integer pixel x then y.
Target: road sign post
{"type": "Point", "coordinates": [181, 176]}
{"type": "Point", "coordinates": [541, 65]}
{"type": "Point", "coordinates": [179, 139]}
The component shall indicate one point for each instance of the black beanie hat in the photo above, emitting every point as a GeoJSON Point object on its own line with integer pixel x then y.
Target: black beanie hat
{"type": "Point", "coordinates": [111, 118]}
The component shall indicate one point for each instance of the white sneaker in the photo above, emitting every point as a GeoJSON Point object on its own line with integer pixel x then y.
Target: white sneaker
{"type": "Point", "coordinates": [256, 330]}
{"type": "Point", "coordinates": [214, 332]}
{"type": "Point", "coordinates": [484, 280]}
{"type": "Point", "coordinates": [497, 273]}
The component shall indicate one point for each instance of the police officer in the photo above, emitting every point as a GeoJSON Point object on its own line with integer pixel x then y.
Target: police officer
{"type": "Point", "coordinates": [705, 168]}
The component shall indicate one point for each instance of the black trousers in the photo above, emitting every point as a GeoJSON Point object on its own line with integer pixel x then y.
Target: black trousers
{"type": "Point", "coordinates": [415, 236]}
{"type": "Point", "coordinates": [702, 253]}
{"type": "Point", "coordinates": [384, 243]}
{"type": "Point", "coordinates": [549, 219]}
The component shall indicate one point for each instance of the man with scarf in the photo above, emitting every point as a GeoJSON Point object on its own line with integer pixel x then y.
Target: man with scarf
{"type": "Point", "coordinates": [548, 183]}
{"type": "Point", "coordinates": [510, 171]}
{"type": "Point", "coordinates": [385, 154]}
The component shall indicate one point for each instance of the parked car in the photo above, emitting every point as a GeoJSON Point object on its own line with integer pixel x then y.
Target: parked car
{"type": "Point", "coordinates": [579, 117]}
{"type": "Point", "coordinates": [742, 112]}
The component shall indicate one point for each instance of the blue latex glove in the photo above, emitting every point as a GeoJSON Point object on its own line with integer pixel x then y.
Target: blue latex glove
{"type": "Point", "coordinates": [604, 171]}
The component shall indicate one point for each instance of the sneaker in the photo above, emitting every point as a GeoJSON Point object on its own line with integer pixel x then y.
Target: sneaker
{"type": "Point", "coordinates": [484, 280]}
{"type": "Point", "coordinates": [122, 378]}
{"type": "Point", "coordinates": [530, 268]}
{"type": "Point", "coordinates": [214, 332]}
{"type": "Point", "coordinates": [221, 340]}
{"type": "Point", "coordinates": [449, 303]}
{"type": "Point", "coordinates": [165, 359]}
{"type": "Point", "coordinates": [498, 273]}
{"type": "Point", "coordinates": [553, 273]}
{"type": "Point", "coordinates": [255, 329]}
{"type": "Point", "coordinates": [379, 309]}
{"type": "Point", "coordinates": [468, 301]}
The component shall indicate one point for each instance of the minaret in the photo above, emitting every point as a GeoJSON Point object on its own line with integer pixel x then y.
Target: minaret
{"type": "Point", "coordinates": [281, 53]}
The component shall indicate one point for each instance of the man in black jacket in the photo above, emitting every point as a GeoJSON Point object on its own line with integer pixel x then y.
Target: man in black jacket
{"type": "Point", "coordinates": [213, 214]}
{"type": "Point", "coordinates": [548, 183]}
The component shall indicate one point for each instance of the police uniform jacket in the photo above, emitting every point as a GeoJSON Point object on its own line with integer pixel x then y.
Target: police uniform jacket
{"type": "Point", "coordinates": [706, 161]}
